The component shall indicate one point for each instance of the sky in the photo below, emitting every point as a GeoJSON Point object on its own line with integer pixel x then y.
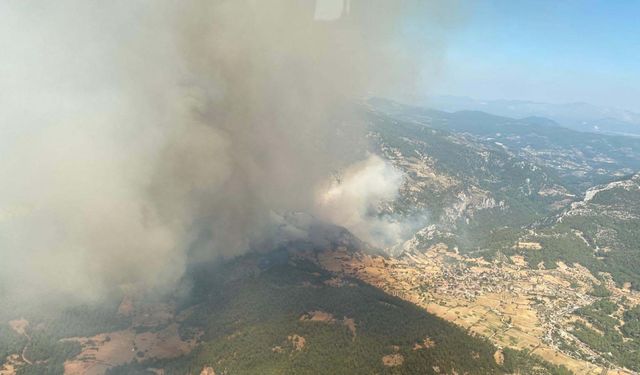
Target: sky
{"type": "Point", "coordinates": [542, 50]}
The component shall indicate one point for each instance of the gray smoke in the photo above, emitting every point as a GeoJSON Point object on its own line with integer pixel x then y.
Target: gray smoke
{"type": "Point", "coordinates": [138, 136]}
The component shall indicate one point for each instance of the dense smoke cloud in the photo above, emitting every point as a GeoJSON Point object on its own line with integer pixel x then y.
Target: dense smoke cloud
{"type": "Point", "coordinates": [138, 136]}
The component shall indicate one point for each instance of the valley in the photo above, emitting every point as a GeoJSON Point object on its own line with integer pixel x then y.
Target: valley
{"type": "Point", "coordinates": [520, 256]}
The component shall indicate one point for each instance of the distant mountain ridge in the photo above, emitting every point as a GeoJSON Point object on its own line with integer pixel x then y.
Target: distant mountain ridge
{"type": "Point", "coordinates": [582, 159]}
{"type": "Point", "coordinates": [578, 116]}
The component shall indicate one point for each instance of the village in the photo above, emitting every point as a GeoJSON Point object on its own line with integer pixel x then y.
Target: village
{"type": "Point", "coordinates": [505, 301]}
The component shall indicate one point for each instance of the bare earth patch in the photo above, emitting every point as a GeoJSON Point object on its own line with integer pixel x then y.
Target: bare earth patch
{"type": "Point", "coordinates": [425, 344]}
{"type": "Point", "coordinates": [498, 356]}
{"type": "Point", "coordinates": [11, 365]}
{"type": "Point", "coordinates": [103, 351]}
{"type": "Point", "coordinates": [297, 341]}
{"type": "Point", "coordinates": [19, 326]}
{"type": "Point", "coordinates": [529, 245]}
{"type": "Point", "coordinates": [393, 360]}
{"type": "Point", "coordinates": [162, 344]}
{"type": "Point", "coordinates": [153, 335]}
{"type": "Point", "coordinates": [317, 316]}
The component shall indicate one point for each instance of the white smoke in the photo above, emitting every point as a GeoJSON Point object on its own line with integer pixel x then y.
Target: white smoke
{"type": "Point", "coordinates": [354, 200]}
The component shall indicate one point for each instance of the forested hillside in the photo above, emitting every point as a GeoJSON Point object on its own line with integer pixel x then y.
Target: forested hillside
{"type": "Point", "coordinates": [296, 318]}
{"type": "Point", "coordinates": [275, 314]}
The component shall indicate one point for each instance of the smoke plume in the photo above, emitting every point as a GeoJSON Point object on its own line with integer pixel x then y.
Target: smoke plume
{"type": "Point", "coordinates": [352, 201]}
{"type": "Point", "coordinates": [138, 136]}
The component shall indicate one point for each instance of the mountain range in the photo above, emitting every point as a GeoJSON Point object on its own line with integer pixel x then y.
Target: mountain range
{"type": "Point", "coordinates": [578, 116]}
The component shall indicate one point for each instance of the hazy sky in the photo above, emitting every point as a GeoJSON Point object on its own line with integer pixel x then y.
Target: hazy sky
{"type": "Point", "coordinates": [544, 50]}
